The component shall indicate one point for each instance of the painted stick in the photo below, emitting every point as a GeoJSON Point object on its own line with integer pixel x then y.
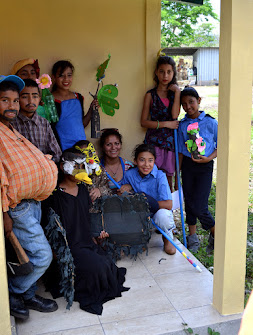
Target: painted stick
{"type": "Point", "coordinates": [164, 234]}
{"type": "Point", "coordinates": [179, 187]}
{"type": "Point", "coordinates": [177, 247]}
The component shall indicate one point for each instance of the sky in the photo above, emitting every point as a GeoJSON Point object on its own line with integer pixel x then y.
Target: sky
{"type": "Point", "coordinates": [216, 8]}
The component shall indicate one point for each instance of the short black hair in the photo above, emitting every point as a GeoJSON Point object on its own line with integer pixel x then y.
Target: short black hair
{"type": "Point", "coordinates": [143, 148]}
{"type": "Point", "coordinates": [31, 83]}
{"type": "Point", "coordinates": [8, 86]}
{"type": "Point", "coordinates": [189, 91]}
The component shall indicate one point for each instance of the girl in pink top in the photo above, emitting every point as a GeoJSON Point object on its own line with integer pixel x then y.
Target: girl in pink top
{"type": "Point", "coordinates": [159, 115]}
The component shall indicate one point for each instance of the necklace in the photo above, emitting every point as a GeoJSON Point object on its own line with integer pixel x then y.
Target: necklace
{"type": "Point", "coordinates": [113, 173]}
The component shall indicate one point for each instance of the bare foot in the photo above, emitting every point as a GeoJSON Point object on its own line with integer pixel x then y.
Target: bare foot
{"type": "Point", "coordinates": [168, 247]}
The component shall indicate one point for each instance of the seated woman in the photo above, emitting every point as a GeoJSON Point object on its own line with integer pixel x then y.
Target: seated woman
{"type": "Point", "coordinates": [115, 166]}
{"type": "Point", "coordinates": [97, 278]}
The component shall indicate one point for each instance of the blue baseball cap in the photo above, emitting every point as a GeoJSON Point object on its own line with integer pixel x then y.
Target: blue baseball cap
{"type": "Point", "coordinates": [14, 79]}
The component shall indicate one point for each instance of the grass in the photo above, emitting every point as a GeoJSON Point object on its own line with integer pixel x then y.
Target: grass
{"type": "Point", "coordinates": [207, 260]}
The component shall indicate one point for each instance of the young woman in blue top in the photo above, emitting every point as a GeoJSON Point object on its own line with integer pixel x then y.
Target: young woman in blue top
{"type": "Point", "coordinates": [197, 172]}
{"type": "Point", "coordinates": [160, 111]}
{"type": "Point", "coordinates": [72, 121]}
{"type": "Point", "coordinates": [146, 178]}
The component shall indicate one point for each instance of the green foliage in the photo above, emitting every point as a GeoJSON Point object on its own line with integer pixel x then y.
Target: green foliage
{"type": "Point", "coordinates": [179, 24]}
{"type": "Point", "coordinates": [189, 330]}
{"type": "Point", "coordinates": [203, 37]}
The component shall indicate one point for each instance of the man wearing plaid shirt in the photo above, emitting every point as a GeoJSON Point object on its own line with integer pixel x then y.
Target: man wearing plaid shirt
{"type": "Point", "coordinates": [31, 125]}
{"type": "Point", "coordinates": [27, 176]}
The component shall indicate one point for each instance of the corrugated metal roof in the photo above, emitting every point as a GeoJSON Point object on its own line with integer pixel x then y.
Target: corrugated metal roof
{"type": "Point", "coordinates": [184, 51]}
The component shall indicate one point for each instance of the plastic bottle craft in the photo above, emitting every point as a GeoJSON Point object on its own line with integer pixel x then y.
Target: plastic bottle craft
{"type": "Point", "coordinates": [195, 145]}
{"type": "Point", "coordinates": [106, 99]}
{"type": "Point", "coordinates": [49, 111]}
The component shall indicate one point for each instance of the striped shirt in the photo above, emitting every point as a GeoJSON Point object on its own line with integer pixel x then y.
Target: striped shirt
{"type": "Point", "coordinates": [25, 172]}
{"type": "Point", "coordinates": [38, 131]}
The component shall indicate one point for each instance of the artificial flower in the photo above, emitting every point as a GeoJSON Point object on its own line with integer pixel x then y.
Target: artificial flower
{"type": "Point", "coordinates": [44, 81]}
{"type": "Point", "coordinates": [192, 126]}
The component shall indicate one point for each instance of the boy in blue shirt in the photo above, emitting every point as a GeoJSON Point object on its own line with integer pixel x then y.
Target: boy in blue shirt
{"type": "Point", "coordinates": [198, 132]}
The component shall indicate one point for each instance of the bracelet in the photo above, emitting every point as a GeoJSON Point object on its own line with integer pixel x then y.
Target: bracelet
{"type": "Point", "coordinates": [157, 125]}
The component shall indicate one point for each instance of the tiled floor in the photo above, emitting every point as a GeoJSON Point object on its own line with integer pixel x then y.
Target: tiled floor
{"type": "Point", "coordinates": [163, 296]}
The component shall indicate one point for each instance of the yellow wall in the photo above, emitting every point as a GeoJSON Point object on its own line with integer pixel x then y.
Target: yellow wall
{"type": "Point", "coordinates": [85, 32]}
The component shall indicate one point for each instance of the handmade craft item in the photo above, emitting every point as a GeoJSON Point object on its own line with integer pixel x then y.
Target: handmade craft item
{"type": "Point", "coordinates": [47, 98]}
{"type": "Point", "coordinates": [195, 145]}
{"type": "Point", "coordinates": [92, 160]}
{"type": "Point", "coordinates": [126, 219]}
{"type": "Point", "coordinates": [106, 99]}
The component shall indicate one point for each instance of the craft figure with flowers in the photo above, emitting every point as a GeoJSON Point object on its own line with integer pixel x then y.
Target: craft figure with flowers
{"type": "Point", "coordinates": [106, 98]}
{"type": "Point", "coordinates": [195, 145]}
{"type": "Point", "coordinates": [44, 82]}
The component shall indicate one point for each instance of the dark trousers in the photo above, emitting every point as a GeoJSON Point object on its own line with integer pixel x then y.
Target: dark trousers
{"type": "Point", "coordinates": [197, 182]}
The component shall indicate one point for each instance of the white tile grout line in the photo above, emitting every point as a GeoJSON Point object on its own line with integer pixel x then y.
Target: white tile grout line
{"type": "Point", "coordinates": [139, 317]}
{"type": "Point", "coordinates": [68, 329]}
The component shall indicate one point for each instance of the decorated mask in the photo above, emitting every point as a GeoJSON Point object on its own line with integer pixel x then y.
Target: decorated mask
{"type": "Point", "coordinates": [76, 166]}
{"type": "Point", "coordinates": [92, 160]}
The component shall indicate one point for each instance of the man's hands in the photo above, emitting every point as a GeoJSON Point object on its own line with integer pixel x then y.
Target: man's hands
{"type": "Point", "coordinates": [7, 224]}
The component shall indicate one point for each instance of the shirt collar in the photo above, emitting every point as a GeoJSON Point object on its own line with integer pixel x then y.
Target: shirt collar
{"type": "Point", "coordinates": [24, 118]}
{"type": "Point", "coordinates": [200, 117]}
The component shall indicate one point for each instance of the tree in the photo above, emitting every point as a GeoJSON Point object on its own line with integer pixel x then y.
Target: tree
{"type": "Point", "coordinates": [180, 22]}
{"type": "Point", "coordinates": [203, 36]}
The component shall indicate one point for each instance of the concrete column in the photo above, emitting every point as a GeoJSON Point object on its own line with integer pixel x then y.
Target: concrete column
{"type": "Point", "coordinates": [235, 101]}
{"type": "Point", "coordinates": [5, 326]}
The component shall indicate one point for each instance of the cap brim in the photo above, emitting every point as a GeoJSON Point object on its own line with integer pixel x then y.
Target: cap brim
{"type": "Point", "coordinates": [14, 79]}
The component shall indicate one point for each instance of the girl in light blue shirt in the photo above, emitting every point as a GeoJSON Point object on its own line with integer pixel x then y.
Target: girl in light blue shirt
{"type": "Point", "coordinates": [146, 178]}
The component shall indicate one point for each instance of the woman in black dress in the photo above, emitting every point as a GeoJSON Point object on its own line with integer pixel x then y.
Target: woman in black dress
{"type": "Point", "coordinates": [97, 278]}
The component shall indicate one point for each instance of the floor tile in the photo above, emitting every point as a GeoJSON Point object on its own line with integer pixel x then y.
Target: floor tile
{"type": "Point", "coordinates": [158, 262]}
{"type": "Point", "coordinates": [187, 289]}
{"type": "Point", "coordinates": [204, 316]}
{"type": "Point", "coordinates": [39, 323]}
{"type": "Point", "coordinates": [92, 330]}
{"type": "Point", "coordinates": [143, 298]}
{"type": "Point", "coordinates": [135, 268]}
{"type": "Point", "coordinates": [154, 324]}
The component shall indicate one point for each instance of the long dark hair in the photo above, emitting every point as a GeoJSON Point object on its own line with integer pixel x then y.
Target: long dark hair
{"type": "Point", "coordinates": [166, 60]}
{"type": "Point", "coordinates": [61, 66]}
{"type": "Point", "coordinates": [109, 132]}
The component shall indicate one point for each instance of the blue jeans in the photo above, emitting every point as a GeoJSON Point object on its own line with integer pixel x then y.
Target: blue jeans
{"type": "Point", "coordinates": [26, 218]}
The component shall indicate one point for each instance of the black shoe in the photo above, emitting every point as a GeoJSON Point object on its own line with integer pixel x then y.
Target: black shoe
{"type": "Point", "coordinates": [17, 307]}
{"type": "Point", "coordinates": [40, 304]}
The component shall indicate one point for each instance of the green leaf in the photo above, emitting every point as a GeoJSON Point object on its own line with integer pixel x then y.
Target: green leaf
{"type": "Point", "coordinates": [210, 332]}
{"type": "Point", "coordinates": [101, 69]}
{"type": "Point", "coordinates": [194, 146]}
{"type": "Point", "coordinates": [106, 99]}
{"type": "Point", "coordinates": [190, 331]}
